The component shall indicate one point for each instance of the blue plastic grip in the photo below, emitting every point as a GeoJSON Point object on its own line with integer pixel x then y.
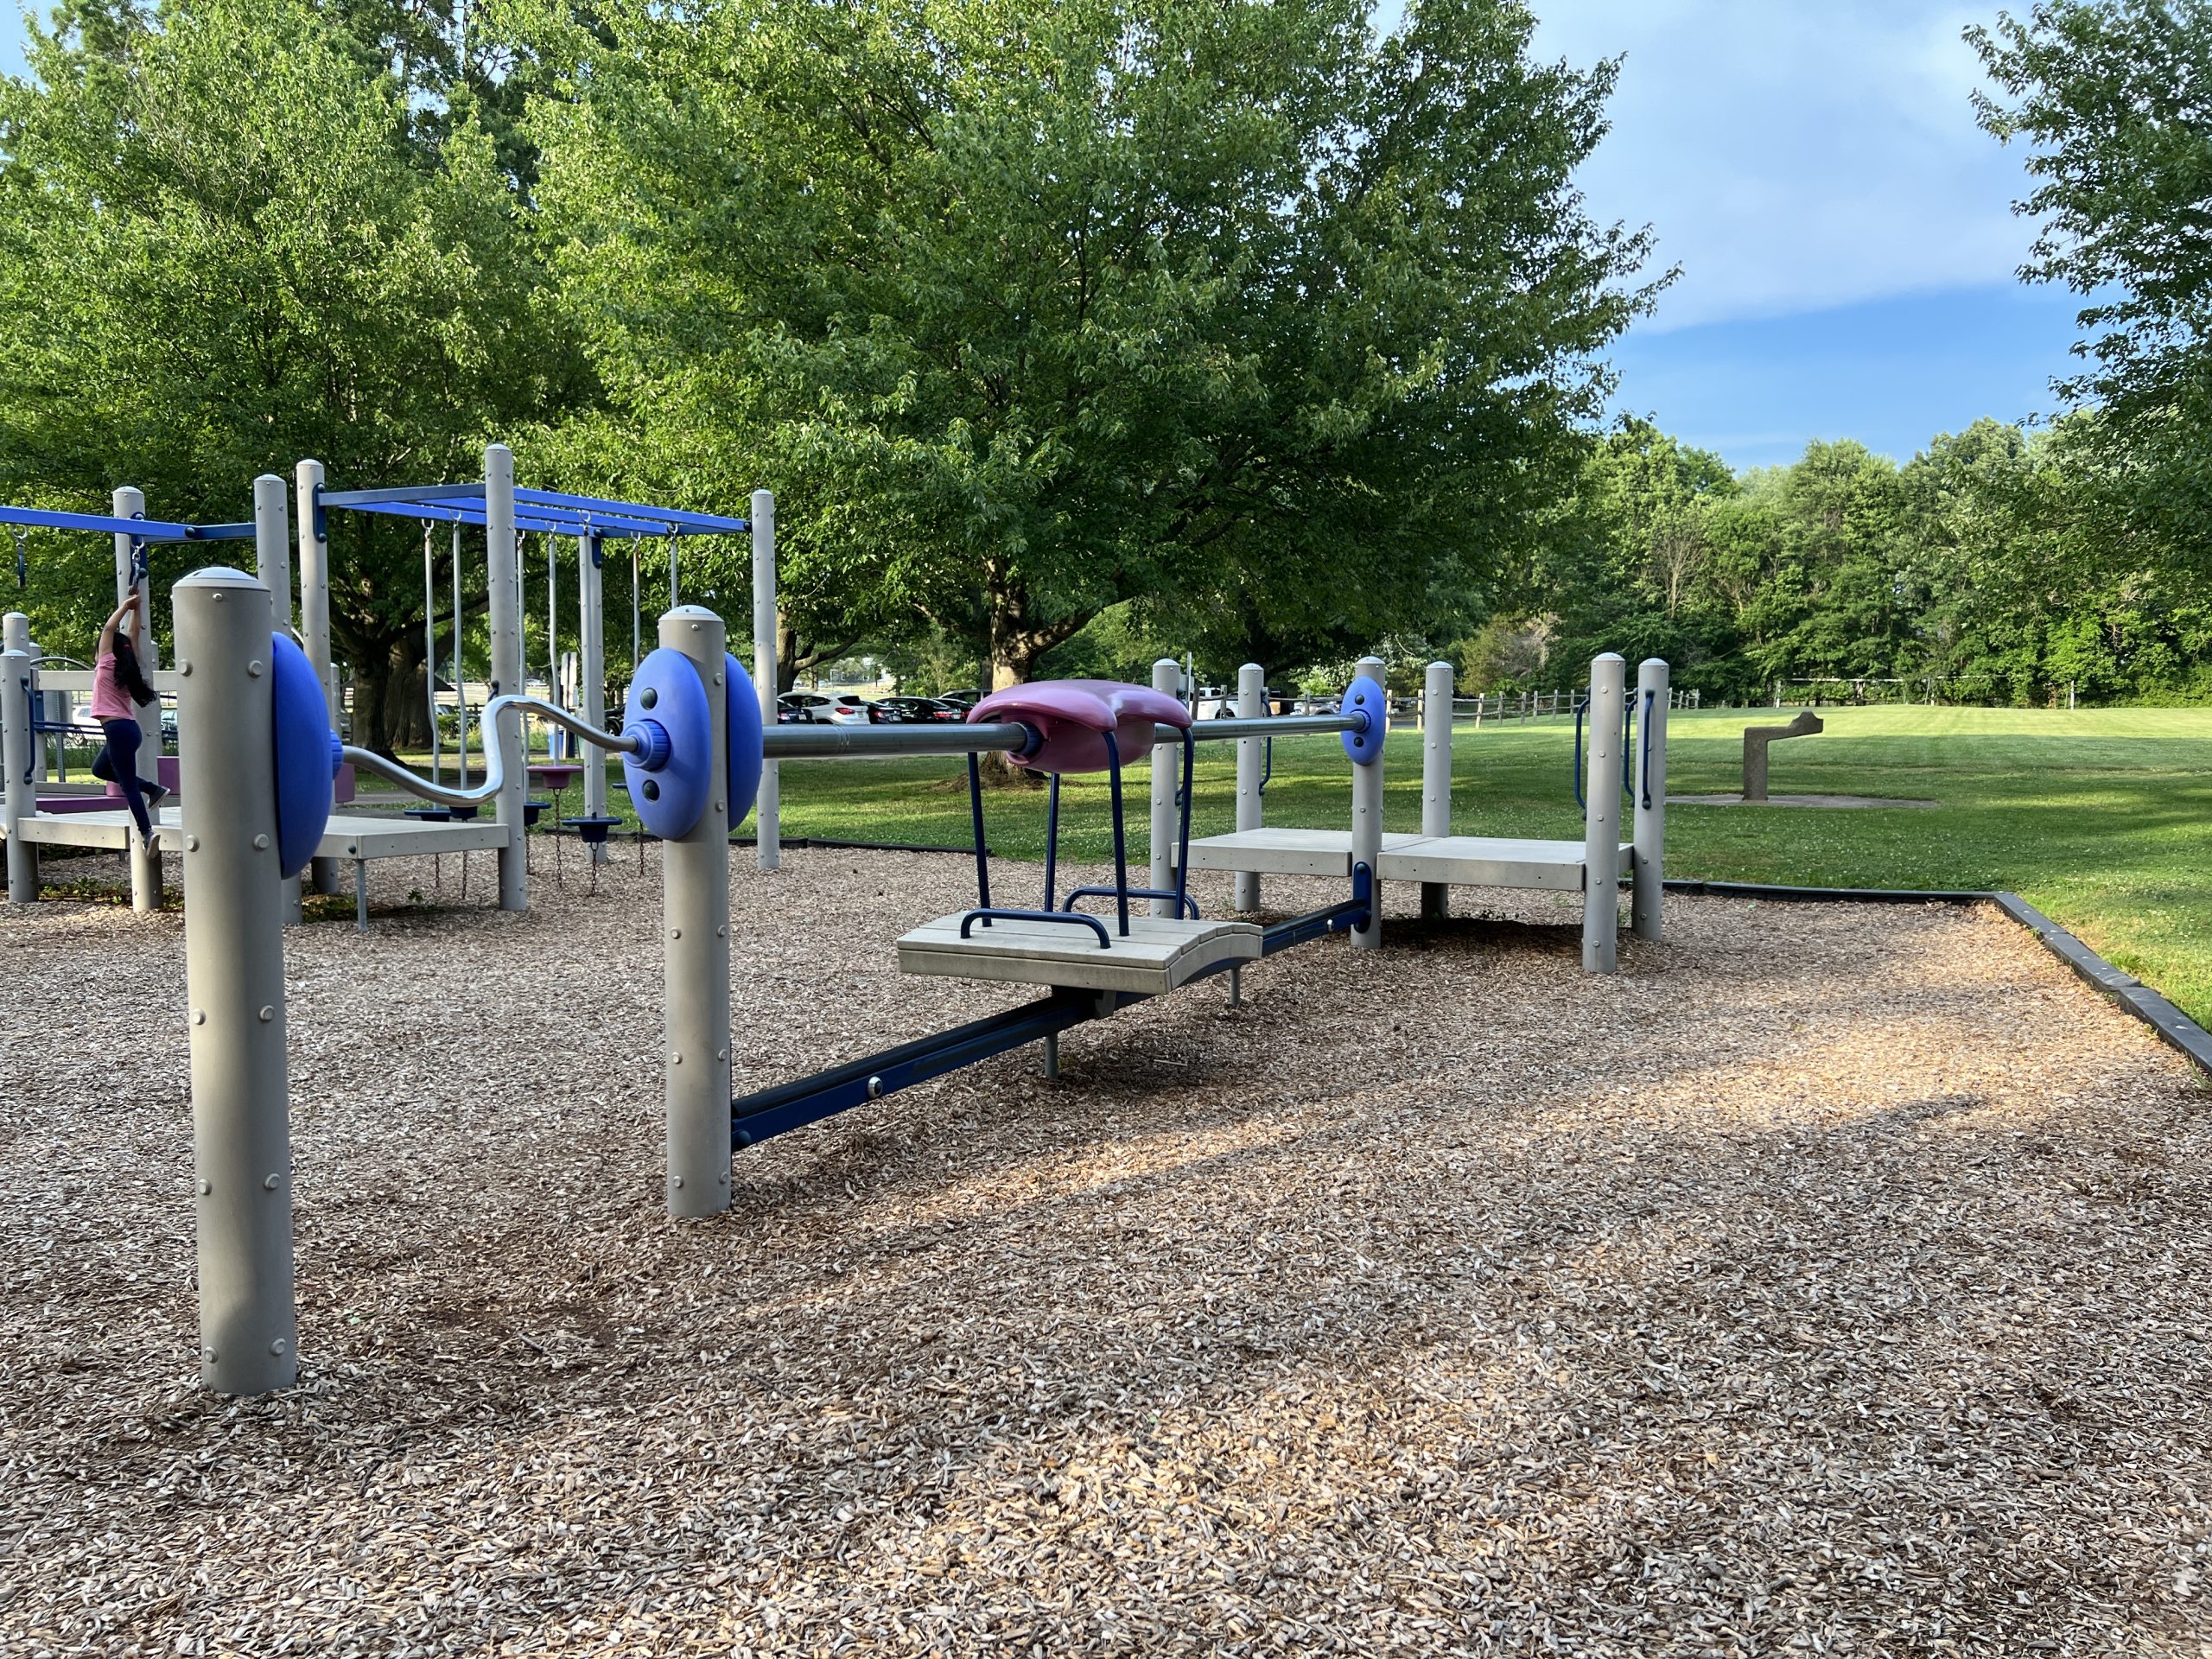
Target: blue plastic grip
{"type": "Point", "coordinates": [303, 752]}
{"type": "Point", "coordinates": [1364, 697]}
{"type": "Point", "coordinates": [669, 798]}
{"type": "Point", "coordinates": [741, 712]}
{"type": "Point", "coordinates": [654, 736]}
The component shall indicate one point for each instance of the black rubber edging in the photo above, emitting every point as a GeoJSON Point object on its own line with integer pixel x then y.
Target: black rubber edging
{"type": "Point", "coordinates": [2138, 998]}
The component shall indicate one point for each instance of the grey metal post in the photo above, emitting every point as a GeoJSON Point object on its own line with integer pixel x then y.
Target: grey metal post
{"type": "Point", "coordinates": [430, 655]}
{"type": "Point", "coordinates": [1367, 813]}
{"type": "Point", "coordinates": [145, 863]}
{"type": "Point", "coordinates": [234, 985]}
{"type": "Point", "coordinates": [272, 554]}
{"type": "Point", "coordinates": [1647, 766]}
{"type": "Point", "coordinates": [768, 806]}
{"type": "Point", "coordinates": [16, 635]}
{"type": "Point", "coordinates": [591, 692]}
{"type": "Point", "coordinates": [20, 798]}
{"type": "Point", "coordinates": [1251, 755]}
{"type": "Point", "coordinates": [503, 571]}
{"type": "Point", "coordinates": [460, 679]}
{"type": "Point", "coordinates": [314, 619]}
{"type": "Point", "coordinates": [1436, 777]}
{"type": "Point", "coordinates": [1166, 772]}
{"type": "Point", "coordinates": [694, 878]}
{"type": "Point", "coordinates": [1601, 844]}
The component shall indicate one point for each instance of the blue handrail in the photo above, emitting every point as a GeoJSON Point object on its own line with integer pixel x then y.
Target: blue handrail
{"type": "Point", "coordinates": [986, 915]}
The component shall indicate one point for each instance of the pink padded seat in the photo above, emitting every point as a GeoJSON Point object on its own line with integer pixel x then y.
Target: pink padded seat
{"type": "Point", "coordinates": [1072, 718]}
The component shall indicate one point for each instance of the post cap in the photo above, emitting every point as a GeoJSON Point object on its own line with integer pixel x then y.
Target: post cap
{"type": "Point", "coordinates": [220, 575]}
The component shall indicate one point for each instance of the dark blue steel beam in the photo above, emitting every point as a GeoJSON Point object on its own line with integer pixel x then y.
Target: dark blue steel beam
{"type": "Point", "coordinates": [794, 1105]}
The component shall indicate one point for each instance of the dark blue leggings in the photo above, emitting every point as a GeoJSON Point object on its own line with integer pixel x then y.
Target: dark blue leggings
{"type": "Point", "coordinates": [118, 764]}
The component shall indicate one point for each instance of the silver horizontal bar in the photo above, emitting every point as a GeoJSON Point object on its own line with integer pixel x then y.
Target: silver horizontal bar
{"type": "Point", "coordinates": [822, 742]}
{"type": "Point", "coordinates": [1275, 726]}
{"type": "Point", "coordinates": [485, 793]}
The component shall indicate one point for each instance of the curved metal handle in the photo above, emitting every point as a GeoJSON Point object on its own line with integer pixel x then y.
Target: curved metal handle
{"type": "Point", "coordinates": [494, 753]}
{"type": "Point", "coordinates": [1581, 704]}
{"type": "Point", "coordinates": [1649, 703]}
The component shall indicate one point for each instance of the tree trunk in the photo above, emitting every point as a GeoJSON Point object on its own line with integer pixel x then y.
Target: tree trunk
{"type": "Point", "coordinates": [1016, 643]}
{"type": "Point", "coordinates": [389, 695]}
{"type": "Point", "coordinates": [795, 656]}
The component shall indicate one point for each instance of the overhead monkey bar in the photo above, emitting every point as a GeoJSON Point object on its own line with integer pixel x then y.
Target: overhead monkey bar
{"type": "Point", "coordinates": [145, 530]}
{"type": "Point", "coordinates": [550, 512]}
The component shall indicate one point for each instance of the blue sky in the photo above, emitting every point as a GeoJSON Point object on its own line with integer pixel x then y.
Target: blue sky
{"type": "Point", "coordinates": [1843, 227]}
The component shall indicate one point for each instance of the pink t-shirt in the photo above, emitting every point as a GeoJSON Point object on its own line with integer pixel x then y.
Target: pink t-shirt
{"type": "Point", "coordinates": [110, 700]}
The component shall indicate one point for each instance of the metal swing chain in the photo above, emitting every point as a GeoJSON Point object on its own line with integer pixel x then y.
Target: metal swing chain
{"type": "Point", "coordinates": [23, 563]}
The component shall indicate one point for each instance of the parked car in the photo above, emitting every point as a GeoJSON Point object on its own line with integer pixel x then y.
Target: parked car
{"type": "Point", "coordinates": [802, 709]}
{"type": "Point", "coordinates": [963, 700]}
{"type": "Point", "coordinates": [819, 709]}
{"type": "Point", "coordinates": [913, 711]}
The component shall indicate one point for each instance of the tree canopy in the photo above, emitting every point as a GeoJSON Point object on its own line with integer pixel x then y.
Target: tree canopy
{"type": "Point", "coordinates": [1232, 309]}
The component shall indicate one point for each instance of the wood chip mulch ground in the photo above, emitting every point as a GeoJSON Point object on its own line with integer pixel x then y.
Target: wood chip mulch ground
{"type": "Point", "coordinates": [1834, 1279]}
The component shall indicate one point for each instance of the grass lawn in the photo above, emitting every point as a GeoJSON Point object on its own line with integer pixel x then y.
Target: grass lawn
{"type": "Point", "coordinates": [2100, 817]}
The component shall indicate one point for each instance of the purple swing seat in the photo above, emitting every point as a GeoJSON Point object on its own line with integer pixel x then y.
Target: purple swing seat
{"type": "Point", "coordinates": [1071, 719]}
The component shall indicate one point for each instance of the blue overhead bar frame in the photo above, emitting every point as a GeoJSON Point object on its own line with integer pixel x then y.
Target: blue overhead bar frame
{"type": "Point", "coordinates": [146, 529]}
{"type": "Point", "coordinates": [550, 511]}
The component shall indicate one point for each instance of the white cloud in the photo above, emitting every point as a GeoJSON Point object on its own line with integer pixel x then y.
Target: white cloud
{"type": "Point", "coordinates": [1796, 154]}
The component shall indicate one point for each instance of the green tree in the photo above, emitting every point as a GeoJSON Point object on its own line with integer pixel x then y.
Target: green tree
{"type": "Point", "coordinates": [225, 243]}
{"type": "Point", "coordinates": [1030, 310]}
{"type": "Point", "coordinates": [2114, 100]}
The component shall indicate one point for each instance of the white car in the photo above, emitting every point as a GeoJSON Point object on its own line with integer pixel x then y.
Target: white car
{"type": "Point", "coordinates": [813, 708]}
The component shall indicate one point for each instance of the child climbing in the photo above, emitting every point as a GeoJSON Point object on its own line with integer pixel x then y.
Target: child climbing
{"type": "Point", "coordinates": [118, 682]}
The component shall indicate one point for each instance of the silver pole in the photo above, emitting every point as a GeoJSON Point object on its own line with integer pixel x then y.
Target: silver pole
{"type": "Point", "coordinates": [1601, 848]}
{"type": "Point", "coordinates": [431, 654]}
{"type": "Point", "coordinates": [459, 684]}
{"type": "Point", "coordinates": [235, 984]}
{"type": "Point", "coordinates": [1436, 777]}
{"type": "Point", "coordinates": [552, 635]}
{"type": "Point", "coordinates": [145, 863]}
{"type": "Point", "coordinates": [831, 742]}
{"type": "Point", "coordinates": [637, 650]}
{"type": "Point", "coordinates": [20, 798]}
{"type": "Point", "coordinates": [272, 553]}
{"type": "Point", "coordinates": [504, 571]}
{"type": "Point", "coordinates": [768, 823]}
{"type": "Point", "coordinates": [1647, 766]}
{"type": "Point", "coordinates": [695, 876]}
{"type": "Point", "coordinates": [1166, 772]}
{"type": "Point", "coordinates": [1366, 810]}
{"type": "Point", "coordinates": [1219, 731]}
{"type": "Point", "coordinates": [1251, 759]}
{"type": "Point", "coordinates": [314, 620]}
{"type": "Point", "coordinates": [591, 693]}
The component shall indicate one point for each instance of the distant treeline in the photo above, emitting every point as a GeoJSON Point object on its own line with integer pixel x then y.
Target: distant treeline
{"type": "Point", "coordinates": [1993, 566]}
